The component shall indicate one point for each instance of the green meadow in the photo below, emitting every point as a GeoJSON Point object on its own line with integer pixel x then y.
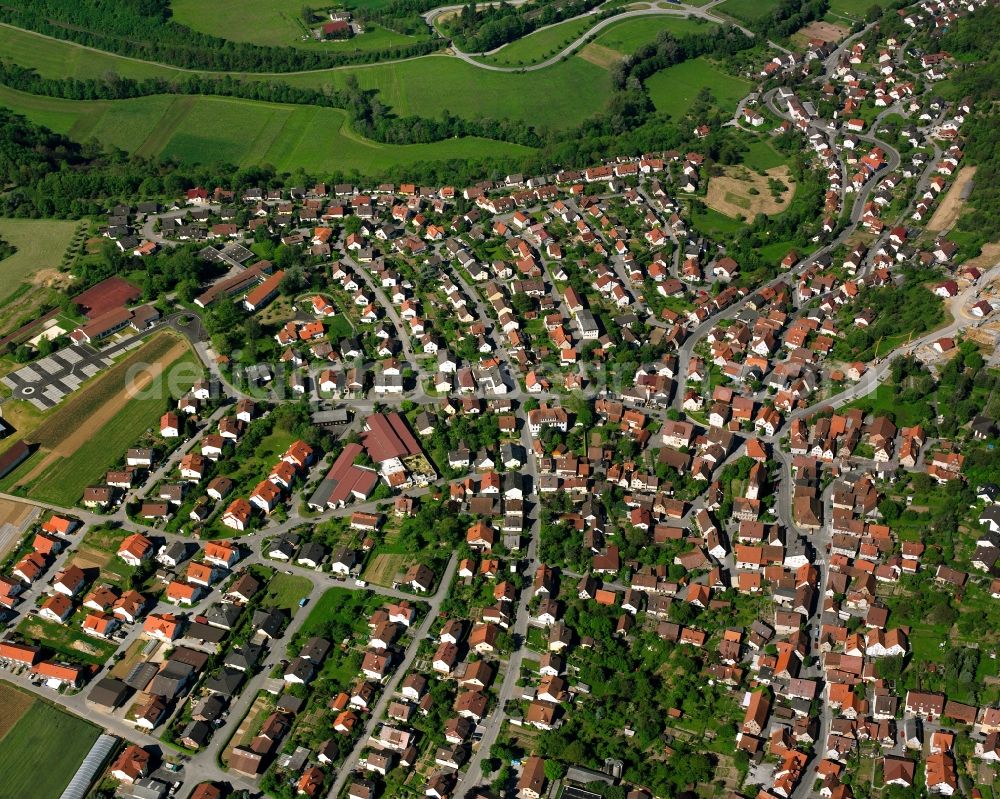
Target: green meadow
{"type": "Point", "coordinates": [195, 129]}
{"type": "Point", "coordinates": [675, 88]}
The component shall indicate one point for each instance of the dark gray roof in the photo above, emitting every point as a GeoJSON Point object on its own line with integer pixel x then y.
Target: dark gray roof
{"type": "Point", "coordinates": [227, 683]}
{"type": "Point", "coordinates": [141, 675]}
{"type": "Point", "coordinates": [110, 693]}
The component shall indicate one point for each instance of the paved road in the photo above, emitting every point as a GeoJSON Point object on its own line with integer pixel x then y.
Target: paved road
{"type": "Point", "coordinates": [665, 8]}
{"type": "Point", "coordinates": [388, 692]}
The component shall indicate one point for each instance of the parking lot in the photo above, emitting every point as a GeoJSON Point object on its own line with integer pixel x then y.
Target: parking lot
{"type": "Point", "coordinates": [47, 381]}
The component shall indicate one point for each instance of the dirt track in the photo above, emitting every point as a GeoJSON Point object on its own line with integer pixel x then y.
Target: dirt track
{"type": "Point", "coordinates": [947, 212]}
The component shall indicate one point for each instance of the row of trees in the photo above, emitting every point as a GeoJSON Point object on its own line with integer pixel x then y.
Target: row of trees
{"type": "Point", "coordinates": [368, 115]}
{"type": "Point", "coordinates": [482, 29]}
{"type": "Point", "coordinates": [144, 29]}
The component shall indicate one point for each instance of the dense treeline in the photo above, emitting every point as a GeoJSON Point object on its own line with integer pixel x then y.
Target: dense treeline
{"type": "Point", "coordinates": [404, 16]}
{"type": "Point", "coordinates": [143, 29]}
{"type": "Point", "coordinates": [788, 17]}
{"type": "Point", "coordinates": [28, 152]}
{"type": "Point", "coordinates": [479, 30]}
{"type": "Point", "coordinates": [668, 50]}
{"type": "Point", "coordinates": [368, 116]}
{"type": "Point", "coordinates": [973, 41]}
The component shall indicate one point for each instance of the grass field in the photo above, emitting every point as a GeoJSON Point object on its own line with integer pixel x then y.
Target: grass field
{"type": "Point", "coordinates": [285, 591]}
{"type": "Point", "coordinates": [207, 129]}
{"type": "Point", "coordinates": [341, 607]}
{"type": "Point", "coordinates": [539, 45]}
{"type": "Point", "coordinates": [559, 96]}
{"type": "Point", "coordinates": [629, 35]}
{"type": "Point", "coordinates": [760, 155]}
{"type": "Point", "coordinates": [748, 11]}
{"type": "Point", "coordinates": [26, 760]}
{"type": "Point", "coordinates": [712, 223]}
{"type": "Point", "coordinates": [856, 9]}
{"type": "Point", "coordinates": [40, 245]}
{"type": "Point", "coordinates": [271, 22]}
{"type": "Point", "coordinates": [675, 88]}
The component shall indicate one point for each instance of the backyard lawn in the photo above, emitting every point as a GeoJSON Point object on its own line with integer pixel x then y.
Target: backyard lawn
{"type": "Point", "coordinates": [285, 590]}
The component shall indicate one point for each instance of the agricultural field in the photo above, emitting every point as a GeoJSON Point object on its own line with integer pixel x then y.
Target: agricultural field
{"type": "Point", "coordinates": [539, 45]}
{"type": "Point", "coordinates": [629, 35]}
{"type": "Point", "coordinates": [40, 245]}
{"type": "Point", "coordinates": [206, 129]}
{"type": "Point", "coordinates": [52, 58]}
{"type": "Point", "coordinates": [559, 96]}
{"type": "Point", "coordinates": [385, 566]}
{"type": "Point", "coordinates": [675, 88]}
{"type": "Point", "coordinates": [275, 22]}
{"type": "Point", "coordinates": [72, 455]}
{"type": "Point", "coordinates": [31, 729]}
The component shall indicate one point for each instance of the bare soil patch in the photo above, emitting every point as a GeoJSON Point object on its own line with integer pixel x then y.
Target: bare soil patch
{"type": "Point", "coordinates": [15, 704]}
{"type": "Point", "coordinates": [742, 194]}
{"type": "Point", "coordinates": [947, 212]}
{"type": "Point", "coordinates": [15, 513]}
{"type": "Point", "coordinates": [600, 56]}
{"type": "Point", "coordinates": [50, 278]}
{"type": "Point", "coordinates": [987, 258]}
{"type": "Point", "coordinates": [827, 31]}
{"type": "Point", "coordinates": [90, 559]}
